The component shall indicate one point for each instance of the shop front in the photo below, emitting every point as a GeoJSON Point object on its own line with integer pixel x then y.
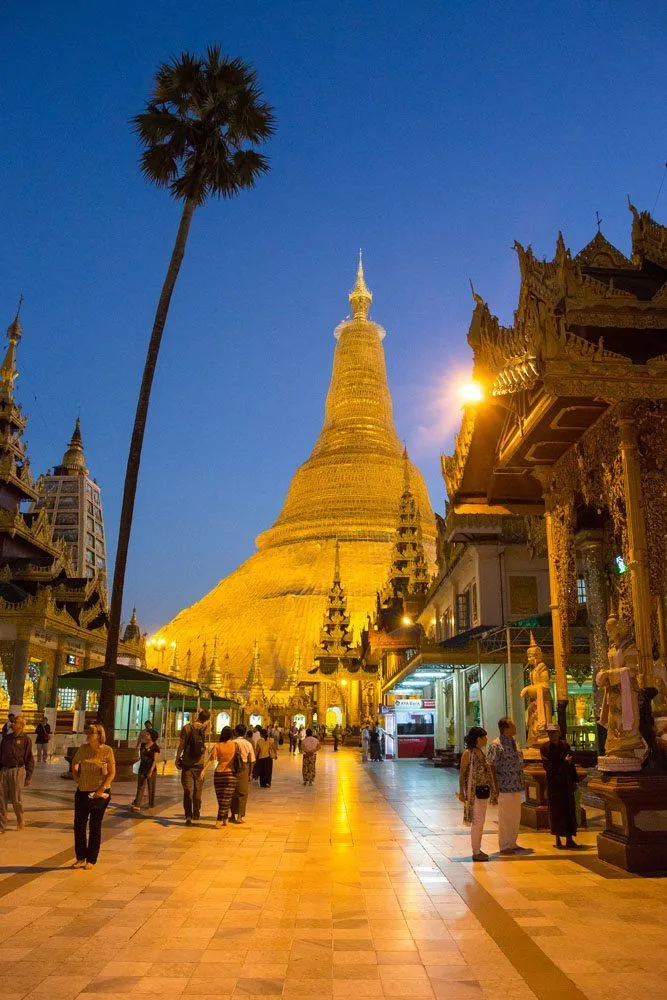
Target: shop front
{"type": "Point", "coordinates": [410, 728]}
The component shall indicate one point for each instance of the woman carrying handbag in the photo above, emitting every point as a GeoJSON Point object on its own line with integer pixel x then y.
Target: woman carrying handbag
{"type": "Point", "coordinates": [477, 786]}
{"type": "Point", "coordinates": [228, 763]}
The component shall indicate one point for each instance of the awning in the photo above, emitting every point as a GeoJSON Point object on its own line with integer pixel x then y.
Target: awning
{"type": "Point", "coordinates": [144, 683]}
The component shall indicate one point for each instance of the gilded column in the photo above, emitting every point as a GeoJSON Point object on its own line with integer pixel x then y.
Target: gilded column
{"type": "Point", "coordinates": [322, 703]}
{"type": "Point", "coordinates": [637, 561]}
{"type": "Point", "coordinates": [354, 702]}
{"type": "Point", "coordinates": [58, 664]}
{"type": "Point", "coordinates": [559, 624]}
{"type": "Point", "coordinates": [589, 544]}
{"type": "Point", "coordinates": [19, 669]}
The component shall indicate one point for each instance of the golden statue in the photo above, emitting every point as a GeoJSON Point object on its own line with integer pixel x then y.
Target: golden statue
{"type": "Point", "coordinates": [625, 748]}
{"type": "Point", "coordinates": [539, 712]}
{"type": "Point", "coordinates": [29, 695]}
{"type": "Point", "coordinates": [4, 698]}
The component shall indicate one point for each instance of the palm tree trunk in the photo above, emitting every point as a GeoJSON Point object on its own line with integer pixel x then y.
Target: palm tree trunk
{"type": "Point", "coordinates": [106, 710]}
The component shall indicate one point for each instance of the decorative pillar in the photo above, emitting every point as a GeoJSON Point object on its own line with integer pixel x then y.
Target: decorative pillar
{"type": "Point", "coordinates": [559, 623]}
{"type": "Point", "coordinates": [637, 561]}
{"type": "Point", "coordinates": [354, 702]}
{"type": "Point", "coordinates": [322, 703]}
{"type": "Point", "coordinates": [589, 544]}
{"type": "Point", "coordinates": [19, 669]}
{"type": "Point", "coordinates": [58, 664]}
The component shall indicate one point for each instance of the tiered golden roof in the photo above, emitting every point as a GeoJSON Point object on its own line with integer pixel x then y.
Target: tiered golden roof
{"type": "Point", "coordinates": [349, 489]}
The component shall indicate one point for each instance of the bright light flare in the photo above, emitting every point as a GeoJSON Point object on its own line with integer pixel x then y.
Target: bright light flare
{"type": "Point", "coordinates": [407, 620]}
{"type": "Point", "coordinates": [471, 392]}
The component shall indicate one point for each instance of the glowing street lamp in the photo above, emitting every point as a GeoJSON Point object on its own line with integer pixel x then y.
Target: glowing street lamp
{"type": "Point", "coordinates": [471, 392]}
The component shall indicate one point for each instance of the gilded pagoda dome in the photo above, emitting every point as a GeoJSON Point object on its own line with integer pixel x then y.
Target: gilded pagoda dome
{"type": "Point", "coordinates": [350, 486]}
{"type": "Point", "coordinates": [349, 490]}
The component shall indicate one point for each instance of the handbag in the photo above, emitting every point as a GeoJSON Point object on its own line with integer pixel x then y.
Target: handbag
{"type": "Point", "coordinates": [482, 792]}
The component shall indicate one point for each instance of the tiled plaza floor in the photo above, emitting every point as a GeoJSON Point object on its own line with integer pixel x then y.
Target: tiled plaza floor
{"type": "Point", "coordinates": [358, 887]}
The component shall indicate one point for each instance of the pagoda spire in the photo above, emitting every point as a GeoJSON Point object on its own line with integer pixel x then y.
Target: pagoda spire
{"type": "Point", "coordinates": [202, 675]}
{"type": "Point", "coordinates": [406, 470]}
{"type": "Point", "coordinates": [254, 681]}
{"type": "Point", "coordinates": [8, 369]}
{"type": "Point", "coordinates": [360, 296]}
{"type": "Point", "coordinates": [74, 460]}
{"type": "Point", "coordinates": [175, 669]}
{"type": "Point", "coordinates": [188, 665]}
{"type": "Point", "coordinates": [335, 634]}
{"type": "Point", "coordinates": [408, 573]}
{"type": "Point", "coordinates": [336, 577]}
{"type": "Point", "coordinates": [132, 631]}
{"type": "Point", "coordinates": [293, 679]}
{"type": "Point", "coordinates": [215, 679]}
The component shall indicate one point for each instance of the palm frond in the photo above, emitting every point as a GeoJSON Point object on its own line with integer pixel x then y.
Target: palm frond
{"type": "Point", "coordinates": [201, 125]}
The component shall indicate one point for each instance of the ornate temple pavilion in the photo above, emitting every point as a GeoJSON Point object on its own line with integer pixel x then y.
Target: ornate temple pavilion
{"type": "Point", "coordinates": [53, 604]}
{"type": "Point", "coordinates": [348, 491]}
{"type": "Point", "coordinates": [572, 426]}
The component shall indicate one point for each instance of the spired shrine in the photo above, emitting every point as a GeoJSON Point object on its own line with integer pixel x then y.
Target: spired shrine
{"type": "Point", "coordinates": [53, 602]}
{"type": "Point", "coordinates": [572, 427]}
{"type": "Point", "coordinates": [341, 509]}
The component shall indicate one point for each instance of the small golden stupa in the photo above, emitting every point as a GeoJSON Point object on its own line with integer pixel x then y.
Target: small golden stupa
{"type": "Point", "coordinates": [349, 491]}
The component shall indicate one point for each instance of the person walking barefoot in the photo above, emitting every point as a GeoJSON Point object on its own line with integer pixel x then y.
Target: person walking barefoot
{"type": "Point", "coordinates": [309, 748]}
{"type": "Point", "coordinates": [94, 769]}
{"type": "Point", "coordinates": [476, 788]}
{"type": "Point", "coordinates": [228, 763]}
{"type": "Point", "coordinates": [149, 755]}
{"type": "Point", "coordinates": [507, 762]}
{"type": "Point", "coordinates": [239, 801]}
{"type": "Point", "coordinates": [16, 766]}
{"type": "Point", "coordinates": [558, 762]}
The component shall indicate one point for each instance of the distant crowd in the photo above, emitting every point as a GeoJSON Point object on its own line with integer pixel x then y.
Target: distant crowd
{"type": "Point", "coordinates": [239, 758]}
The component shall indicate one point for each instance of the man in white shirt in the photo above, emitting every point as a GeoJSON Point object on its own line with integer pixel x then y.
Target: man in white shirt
{"type": "Point", "coordinates": [365, 739]}
{"type": "Point", "coordinates": [239, 801]}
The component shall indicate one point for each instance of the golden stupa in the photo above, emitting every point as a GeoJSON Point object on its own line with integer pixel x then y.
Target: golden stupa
{"type": "Point", "coordinates": [348, 490]}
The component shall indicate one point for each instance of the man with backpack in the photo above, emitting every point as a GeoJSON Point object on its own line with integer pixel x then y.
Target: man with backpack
{"type": "Point", "coordinates": [190, 760]}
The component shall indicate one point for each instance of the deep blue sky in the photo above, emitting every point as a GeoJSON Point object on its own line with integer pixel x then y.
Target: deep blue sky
{"type": "Point", "coordinates": [430, 134]}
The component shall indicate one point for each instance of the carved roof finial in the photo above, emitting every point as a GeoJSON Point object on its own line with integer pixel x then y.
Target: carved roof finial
{"type": "Point", "coordinates": [8, 370]}
{"type": "Point", "coordinates": [406, 469]}
{"type": "Point", "coordinates": [74, 460]}
{"type": "Point", "coordinates": [360, 296]}
{"type": "Point", "coordinates": [336, 578]}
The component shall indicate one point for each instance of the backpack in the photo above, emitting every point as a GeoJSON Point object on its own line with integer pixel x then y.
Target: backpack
{"type": "Point", "coordinates": [237, 763]}
{"type": "Point", "coordinates": [195, 747]}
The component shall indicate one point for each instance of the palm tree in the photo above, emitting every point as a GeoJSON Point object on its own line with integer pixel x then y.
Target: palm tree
{"type": "Point", "coordinates": [200, 130]}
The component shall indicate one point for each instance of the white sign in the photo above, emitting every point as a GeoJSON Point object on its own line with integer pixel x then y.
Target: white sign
{"type": "Point", "coordinates": [410, 703]}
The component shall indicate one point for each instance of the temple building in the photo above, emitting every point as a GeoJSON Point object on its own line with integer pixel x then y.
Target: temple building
{"type": "Point", "coordinates": [571, 427]}
{"type": "Point", "coordinates": [346, 495]}
{"type": "Point", "coordinates": [53, 616]}
{"type": "Point", "coordinates": [73, 503]}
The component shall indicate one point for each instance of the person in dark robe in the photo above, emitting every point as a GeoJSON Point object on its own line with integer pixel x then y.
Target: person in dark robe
{"type": "Point", "coordinates": [375, 745]}
{"type": "Point", "coordinates": [558, 763]}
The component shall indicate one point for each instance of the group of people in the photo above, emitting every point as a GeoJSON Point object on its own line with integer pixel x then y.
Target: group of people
{"type": "Point", "coordinates": [497, 777]}
{"type": "Point", "coordinates": [373, 740]}
{"type": "Point", "coordinates": [240, 756]}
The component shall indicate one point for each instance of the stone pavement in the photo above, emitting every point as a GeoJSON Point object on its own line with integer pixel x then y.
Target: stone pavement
{"type": "Point", "coordinates": [361, 886]}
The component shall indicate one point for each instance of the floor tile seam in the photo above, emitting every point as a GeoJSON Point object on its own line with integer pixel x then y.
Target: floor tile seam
{"type": "Point", "coordinates": [117, 822]}
{"type": "Point", "coordinates": [515, 944]}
